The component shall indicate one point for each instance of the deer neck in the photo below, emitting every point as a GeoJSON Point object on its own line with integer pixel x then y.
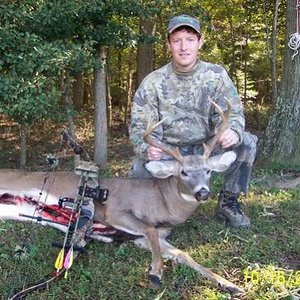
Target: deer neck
{"type": "Point", "coordinates": [177, 200]}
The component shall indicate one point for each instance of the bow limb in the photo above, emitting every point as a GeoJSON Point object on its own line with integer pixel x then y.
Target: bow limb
{"type": "Point", "coordinates": [44, 283]}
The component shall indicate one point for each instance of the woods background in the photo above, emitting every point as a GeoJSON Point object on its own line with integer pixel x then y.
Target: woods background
{"type": "Point", "coordinates": [77, 63]}
{"type": "Point", "coordinates": [62, 59]}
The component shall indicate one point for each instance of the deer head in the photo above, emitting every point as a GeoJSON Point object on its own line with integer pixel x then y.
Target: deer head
{"type": "Point", "coordinates": [193, 171]}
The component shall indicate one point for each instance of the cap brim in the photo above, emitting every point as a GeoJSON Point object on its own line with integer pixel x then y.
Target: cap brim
{"type": "Point", "coordinates": [183, 24]}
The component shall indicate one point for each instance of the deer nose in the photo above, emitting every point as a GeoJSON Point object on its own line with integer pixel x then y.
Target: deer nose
{"type": "Point", "coordinates": [202, 195]}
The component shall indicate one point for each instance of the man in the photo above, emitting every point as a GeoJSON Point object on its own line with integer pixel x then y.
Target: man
{"type": "Point", "coordinates": [181, 92]}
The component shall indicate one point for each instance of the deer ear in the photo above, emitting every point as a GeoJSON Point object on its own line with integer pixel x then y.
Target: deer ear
{"type": "Point", "coordinates": [161, 168]}
{"type": "Point", "coordinates": [221, 162]}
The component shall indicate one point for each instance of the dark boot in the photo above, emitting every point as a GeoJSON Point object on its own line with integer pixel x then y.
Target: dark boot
{"type": "Point", "coordinates": [230, 210]}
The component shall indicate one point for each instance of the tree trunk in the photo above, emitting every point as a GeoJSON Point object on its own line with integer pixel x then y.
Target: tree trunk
{"type": "Point", "coordinates": [145, 51]}
{"type": "Point", "coordinates": [283, 132]}
{"type": "Point", "coordinates": [233, 65]}
{"type": "Point", "coordinates": [100, 143]}
{"type": "Point", "coordinates": [129, 92]}
{"type": "Point", "coordinates": [108, 89]}
{"type": "Point", "coordinates": [69, 107]}
{"type": "Point", "coordinates": [109, 101]}
{"type": "Point", "coordinates": [274, 52]}
{"type": "Point", "coordinates": [246, 56]}
{"type": "Point", "coordinates": [23, 145]}
{"type": "Point", "coordinates": [78, 91]}
{"type": "Point", "coordinates": [88, 89]}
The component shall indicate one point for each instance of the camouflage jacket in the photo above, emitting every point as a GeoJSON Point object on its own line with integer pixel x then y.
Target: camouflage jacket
{"type": "Point", "coordinates": [183, 100]}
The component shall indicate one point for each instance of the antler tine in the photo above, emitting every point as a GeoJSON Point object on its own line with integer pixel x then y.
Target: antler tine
{"type": "Point", "coordinates": [225, 116]}
{"type": "Point", "coordinates": [173, 152]}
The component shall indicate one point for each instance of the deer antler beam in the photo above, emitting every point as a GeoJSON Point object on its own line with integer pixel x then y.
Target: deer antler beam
{"type": "Point", "coordinates": [225, 117]}
{"type": "Point", "coordinates": [173, 152]}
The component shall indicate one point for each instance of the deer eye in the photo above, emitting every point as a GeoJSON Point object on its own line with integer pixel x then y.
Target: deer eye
{"type": "Point", "coordinates": [184, 173]}
{"type": "Point", "coordinates": [208, 171]}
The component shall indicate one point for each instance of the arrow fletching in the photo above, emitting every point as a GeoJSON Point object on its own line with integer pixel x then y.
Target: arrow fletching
{"type": "Point", "coordinates": [59, 262]}
{"type": "Point", "coordinates": [68, 261]}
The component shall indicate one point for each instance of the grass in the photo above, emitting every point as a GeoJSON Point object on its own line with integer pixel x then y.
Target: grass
{"type": "Point", "coordinates": [264, 260]}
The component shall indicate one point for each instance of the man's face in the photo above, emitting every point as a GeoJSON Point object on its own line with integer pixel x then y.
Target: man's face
{"type": "Point", "coordinates": [184, 46]}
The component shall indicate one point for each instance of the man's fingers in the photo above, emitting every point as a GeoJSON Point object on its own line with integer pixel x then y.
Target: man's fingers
{"type": "Point", "coordinates": [154, 153]}
{"type": "Point", "coordinates": [229, 138]}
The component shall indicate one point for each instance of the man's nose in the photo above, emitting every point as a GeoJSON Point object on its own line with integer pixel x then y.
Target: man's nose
{"type": "Point", "coordinates": [183, 45]}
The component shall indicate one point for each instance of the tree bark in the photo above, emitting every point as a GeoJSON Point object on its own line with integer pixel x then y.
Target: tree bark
{"type": "Point", "coordinates": [109, 101]}
{"type": "Point", "coordinates": [274, 52]}
{"type": "Point", "coordinates": [78, 91]}
{"type": "Point", "coordinates": [23, 145]}
{"type": "Point", "coordinates": [129, 92]}
{"type": "Point", "coordinates": [145, 51]}
{"type": "Point", "coordinates": [100, 143]}
{"type": "Point", "coordinates": [283, 132]}
{"type": "Point", "coordinates": [88, 89]}
{"type": "Point", "coordinates": [69, 107]}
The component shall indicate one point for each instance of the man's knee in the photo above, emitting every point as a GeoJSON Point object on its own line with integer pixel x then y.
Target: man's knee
{"type": "Point", "coordinates": [246, 151]}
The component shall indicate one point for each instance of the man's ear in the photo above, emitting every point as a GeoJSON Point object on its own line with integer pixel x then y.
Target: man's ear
{"type": "Point", "coordinates": [161, 168]}
{"type": "Point", "coordinates": [168, 45]}
{"type": "Point", "coordinates": [221, 162]}
{"type": "Point", "coordinates": [201, 41]}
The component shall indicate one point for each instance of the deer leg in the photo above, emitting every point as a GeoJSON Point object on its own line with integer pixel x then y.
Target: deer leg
{"type": "Point", "coordinates": [131, 224]}
{"type": "Point", "coordinates": [180, 256]}
{"type": "Point", "coordinates": [157, 264]}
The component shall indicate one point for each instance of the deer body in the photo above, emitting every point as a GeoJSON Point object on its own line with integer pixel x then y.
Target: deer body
{"type": "Point", "coordinates": [147, 208]}
{"type": "Point", "coordinates": [156, 201]}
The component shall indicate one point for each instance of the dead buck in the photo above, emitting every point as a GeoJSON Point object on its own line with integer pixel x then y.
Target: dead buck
{"type": "Point", "coordinates": [145, 208]}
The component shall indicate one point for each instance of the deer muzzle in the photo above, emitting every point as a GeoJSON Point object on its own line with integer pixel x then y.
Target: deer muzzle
{"type": "Point", "coordinates": [202, 195]}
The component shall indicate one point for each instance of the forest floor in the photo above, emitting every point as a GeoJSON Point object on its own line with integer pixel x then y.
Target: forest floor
{"type": "Point", "coordinates": [264, 260]}
{"type": "Point", "coordinates": [45, 138]}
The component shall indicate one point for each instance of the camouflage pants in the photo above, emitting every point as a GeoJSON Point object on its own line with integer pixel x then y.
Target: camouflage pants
{"type": "Point", "coordinates": [236, 178]}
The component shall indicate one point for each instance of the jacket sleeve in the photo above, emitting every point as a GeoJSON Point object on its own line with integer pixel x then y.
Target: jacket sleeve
{"type": "Point", "coordinates": [226, 91]}
{"type": "Point", "coordinates": [144, 110]}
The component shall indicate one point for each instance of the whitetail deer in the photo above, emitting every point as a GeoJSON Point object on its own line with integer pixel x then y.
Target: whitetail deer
{"type": "Point", "coordinates": [146, 208]}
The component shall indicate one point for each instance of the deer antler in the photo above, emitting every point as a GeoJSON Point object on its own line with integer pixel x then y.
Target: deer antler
{"type": "Point", "coordinates": [173, 152]}
{"type": "Point", "coordinates": [225, 116]}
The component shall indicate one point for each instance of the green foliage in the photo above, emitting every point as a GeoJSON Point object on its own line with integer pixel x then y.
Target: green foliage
{"type": "Point", "coordinates": [42, 39]}
{"type": "Point", "coordinates": [27, 93]}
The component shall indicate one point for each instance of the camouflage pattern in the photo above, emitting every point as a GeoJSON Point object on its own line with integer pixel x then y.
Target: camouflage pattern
{"type": "Point", "coordinates": [183, 100]}
{"type": "Point", "coordinates": [237, 177]}
{"type": "Point", "coordinates": [190, 118]}
{"type": "Point", "coordinates": [183, 20]}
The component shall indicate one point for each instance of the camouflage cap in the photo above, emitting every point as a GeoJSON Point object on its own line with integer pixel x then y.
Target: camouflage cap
{"type": "Point", "coordinates": [183, 20]}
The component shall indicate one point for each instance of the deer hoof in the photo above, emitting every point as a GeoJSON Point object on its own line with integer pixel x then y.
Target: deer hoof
{"type": "Point", "coordinates": [236, 290]}
{"type": "Point", "coordinates": [155, 281]}
{"type": "Point", "coordinates": [232, 288]}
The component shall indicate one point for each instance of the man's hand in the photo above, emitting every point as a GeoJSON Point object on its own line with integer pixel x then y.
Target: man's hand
{"type": "Point", "coordinates": [154, 153]}
{"type": "Point", "coordinates": [228, 138]}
